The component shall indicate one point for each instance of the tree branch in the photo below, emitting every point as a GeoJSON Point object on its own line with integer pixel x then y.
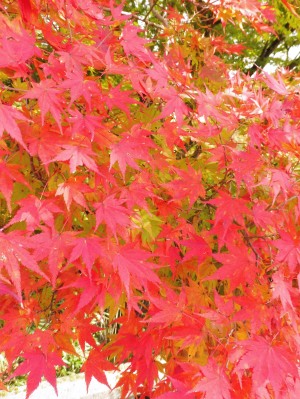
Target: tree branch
{"type": "Point", "coordinates": [262, 59]}
{"type": "Point", "coordinates": [294, 64]}
{"type": "Point", "coordinates": [157, 14]}
{"type": "Point", "coordinates": [152, 5]}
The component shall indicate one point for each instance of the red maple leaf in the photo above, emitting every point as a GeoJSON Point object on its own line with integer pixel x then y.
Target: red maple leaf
{"type": "Point", "coordinates": [73, 191]}
{"type": "Point", "coordinates": [47, 94]}
{"type": "Point", "coordinates": [95, 364]}
{"type": "Point", "coordinates": [38, 365]}
{"type": "Point", "coordinates": [279, 182]}
{"type": "Point", "coordinates": [132, 146]}
{"type": "Point", "coordinates": [138, 191]}
{"type": "Point", "coordinates": [214, 382]}
{"type": "Point", "coordinates": [116, 11]}
{"type": "Point", "coordinates": [8, 174]}
{"type": "Point", "coordinates": [77, 155]}
{"type": "Point", "coordinates": [255, 135]}
{"type": "Point", "coordinates": [43, 141]}
{"type": "Point", "coordinates": [79, 54]}
{"type": "Point", "coordinates": [229, 209]}
{"type": "Point", "coordinates": [93, 291]}
{"type": "Point", "coordinates": [133, 44]}
{"type": "Point", "coordinates": [89, 249]}
{"type": "Point", "coordinates": [223, 313]}
{"type": "Point", "coordinates": [160, 73]}
{"type": "Point", "coordinates": [277, 85]}
{"type": "Point", "coordinates": [262, 217]}
{"type": "Point", "coordinates": [12, 254]}
{"type": "Point", "coordinates": [131, 264]}
{"type": "Point", "coordinates": [8, 116]}
{"type": "Point", "coordinates": [282, 289]}
{"type": "Point", "coordinates": [16, 47]}
{"type": "Point", "coordinates": [239, 267]}
{"type": "Point", "coordinates": [4, 290]}
{"type": "Point", "coordinates": [270, 364]}
{"type": "Point", "coordinates": [289, 249]}
{"type": "Point", "coordinates": [120, 99]}
{"type": "Point", "coordinates": [54, 247]}
{"type": "Point", "coordinates": [174, 104]}
{"type": "Point", "coordinates": [188, 185]}
{"type": "Point", "coordinates": [85, 330]}
{"type": "Point", "coordinates": [253, 309]}
{"type": "Point", "coordinates": [165, 312]}
{"type": "Point", "coordinates": [26, 10]}
{"type": "Point", "coordinates": [209, 107]}
{"type": "Point", "coordinates": [112, 212]}
{"type": "Point", "coordinates": [165, 317]}
{"type": "Point", "coordinates": [92, 125]}
{"type": "Point", "coordinates": [33, 211]}
{"type": "Point", "coordinates": [196, 247]}
{"type": "Point", "coordinates": [80, 87]}
{"type": "Point", "coordinates": [244, 165]}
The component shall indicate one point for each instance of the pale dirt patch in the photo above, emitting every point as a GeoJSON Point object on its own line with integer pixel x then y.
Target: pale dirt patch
{"type": "Point", "coordinates": [72, 387]}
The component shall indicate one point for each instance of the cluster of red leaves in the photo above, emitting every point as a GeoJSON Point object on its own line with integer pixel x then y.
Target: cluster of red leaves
{"type": "Point", "coordinates": [145, 185]}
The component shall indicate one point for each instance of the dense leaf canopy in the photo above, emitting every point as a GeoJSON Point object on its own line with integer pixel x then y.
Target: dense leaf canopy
{"type": "Point", "coordinates": [149, 188]}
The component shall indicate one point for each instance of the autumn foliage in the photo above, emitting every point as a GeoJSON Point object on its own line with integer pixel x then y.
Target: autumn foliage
{"type": "Point", "coordinates": [149, 202]}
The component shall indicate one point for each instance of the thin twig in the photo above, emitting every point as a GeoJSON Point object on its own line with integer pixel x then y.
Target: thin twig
{"type": "Point", "coordinates": [150, 9]}
{"type": "Point", "coordinates": [249, 244]}
{"type": "Point", "coordinates": [3, 86]}
{"type": "Point", "coordinates": [158, 15]}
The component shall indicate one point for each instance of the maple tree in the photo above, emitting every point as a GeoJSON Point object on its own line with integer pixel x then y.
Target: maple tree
{"type": "Point", "coordinates": [150, 195]}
